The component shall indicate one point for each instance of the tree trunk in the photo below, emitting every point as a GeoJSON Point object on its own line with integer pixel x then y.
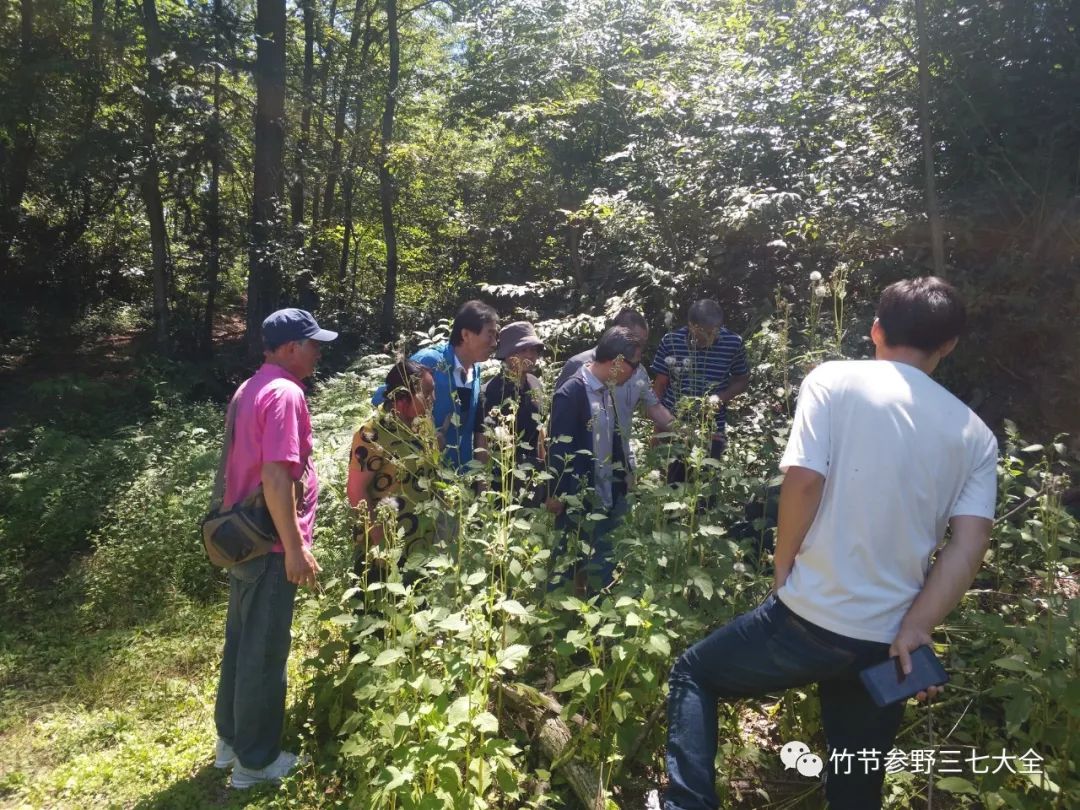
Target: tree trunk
{"type": "Point", "coordinates": [16, 163]}
{"type": "Point", "coordinates": [333, 169]}
{"type": "Point", "coordinates": [307, 88]}
{"type": "Point", "coordinates": [541, 717]}
{"type": "Point", "coordinates": [95, 68]}
{"type": "Point", "coordinates": [213, 213]}
{"type": "Point", "coordinates": [264, 274]}
{"type": "Point", "coordinates": [346, 200]}
{"type": "Point", "coordinates": [327, 50]}
{"type": "Point", "coordinates": [386, 179]}
{"type": "Point", "coordinates": [349, 181]}
{"type": "Point", "coordinates": [937, 241]}
{"type": "Point", "coordinates": [151, 182]}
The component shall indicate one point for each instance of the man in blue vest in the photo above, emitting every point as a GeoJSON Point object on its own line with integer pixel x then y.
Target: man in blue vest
{"type": "Point", "coordinates": [456, 371]}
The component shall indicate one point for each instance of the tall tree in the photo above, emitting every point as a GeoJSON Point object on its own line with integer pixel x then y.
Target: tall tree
{"type": "Point", "coordinates": [937, 242]}
{"type": "Point", "coordinates": [264, 273]}
{"type": "Point", "coordinates": [151, 181]}
{"type": "Point", "coordinates": [326, 47]}
{"type": "Point", "coordinates": [213, 203]}
{"type": "Point", "coordinates": [386, 178]}
{"type": "Point", "coordinates": [299, 190]}
{"type": "Point", "coordinates": [16, 158]}
{"type": "Point", "coordinates": [344, 94]}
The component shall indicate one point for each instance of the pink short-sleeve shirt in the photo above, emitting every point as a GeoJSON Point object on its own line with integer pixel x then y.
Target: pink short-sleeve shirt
{"type": "Point", "coordinates": [272, 424]}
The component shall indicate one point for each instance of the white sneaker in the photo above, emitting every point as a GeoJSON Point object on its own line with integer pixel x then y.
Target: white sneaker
{"type": "Point", "coordinates": [224, 756]}
{"type": "Point", "coordinates": [243, 778]}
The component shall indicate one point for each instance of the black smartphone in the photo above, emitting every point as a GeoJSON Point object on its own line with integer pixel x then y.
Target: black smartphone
{"type": "Point", "coordinates": [887, 683]}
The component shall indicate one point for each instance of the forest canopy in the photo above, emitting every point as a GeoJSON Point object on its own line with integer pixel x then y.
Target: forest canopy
{"type": "Point", "coordinates": [378, 161]}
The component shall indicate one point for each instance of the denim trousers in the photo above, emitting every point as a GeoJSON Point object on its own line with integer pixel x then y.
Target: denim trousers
{"type": "Point", "coordinates": [768, 650]}
{"type": "Point", "coordinates": [250, 709]}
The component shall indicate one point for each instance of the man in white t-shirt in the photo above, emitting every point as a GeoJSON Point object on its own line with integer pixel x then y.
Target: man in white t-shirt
{"type": "Point", "coordinates": [881, 459]}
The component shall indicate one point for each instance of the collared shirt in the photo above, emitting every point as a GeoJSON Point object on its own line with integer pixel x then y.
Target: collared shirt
{"type": "Point", "coordinates": [638, 389]}
{"type": "Point", "coordinates": [462, 375]}
{"type": "Point", "coordinates": [605, 427]}
{"type": "Point", "coordinates": [697, 372]}
{"type": "Point", "coordinates": [272, 424]}
{"type": "Point", "coordinates": [462, 379]}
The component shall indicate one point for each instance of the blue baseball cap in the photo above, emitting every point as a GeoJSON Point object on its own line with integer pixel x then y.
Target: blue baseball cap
{"type": "Point", "coordinates": [291, 324]}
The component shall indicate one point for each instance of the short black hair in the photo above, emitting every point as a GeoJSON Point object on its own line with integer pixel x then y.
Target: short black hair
{"type": "Point", "coordinates": [474, 316]}
{"type": "Point", "coordinates": [618, 341]}
{"type": "Point", "coordinates": [403, 380]}
{"type": "Point", "coordinates": [706, 312]}
{"type": "Point", "coordinates": [630, 318]}
{"type": "Point", "coordinates": [923, 313]}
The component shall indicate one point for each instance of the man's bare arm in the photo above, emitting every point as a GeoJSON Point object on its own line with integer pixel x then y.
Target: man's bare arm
{"type": "Point", "coordinates": [661, 417]}
{"type": "Point", "coordinates": [735, 387]}
{"type": "Point", "coordinates": [278, 487]}
{"type": "Point", "coordinates": [660, 384]}
{"type": "Point", "coordinates": [950, 577]}
{"type": "Point", "coordinates": [800, 496]}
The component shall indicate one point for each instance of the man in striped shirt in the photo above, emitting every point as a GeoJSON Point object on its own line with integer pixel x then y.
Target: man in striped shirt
{"type": "Point", "coordinates": [702, 359]}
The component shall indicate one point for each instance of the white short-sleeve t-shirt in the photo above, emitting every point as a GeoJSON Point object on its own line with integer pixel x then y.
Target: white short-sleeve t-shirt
{"type": "Point", "coordinates": [900, 456]}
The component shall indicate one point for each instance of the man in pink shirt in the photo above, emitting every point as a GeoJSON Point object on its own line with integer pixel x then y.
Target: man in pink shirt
{"type": "Point", "coordinates": [271, 446]}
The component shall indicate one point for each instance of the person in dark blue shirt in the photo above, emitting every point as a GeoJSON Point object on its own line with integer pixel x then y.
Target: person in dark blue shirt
{"type": "Point", "coordinates": [703, 360]}
{"type": "Point", "coordinates": [589, 452]}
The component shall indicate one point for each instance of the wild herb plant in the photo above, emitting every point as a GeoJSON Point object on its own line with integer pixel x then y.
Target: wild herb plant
{"type": "Point", "coordinates": [407, 697]}
{"type": "Point", "coordinates": [404, 700]}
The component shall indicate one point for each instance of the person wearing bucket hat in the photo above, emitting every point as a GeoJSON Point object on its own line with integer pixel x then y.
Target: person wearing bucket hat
{"type": "Point", "coordinates": [511, 408]}
{"type": "Point", "coordinates": [271, 447]}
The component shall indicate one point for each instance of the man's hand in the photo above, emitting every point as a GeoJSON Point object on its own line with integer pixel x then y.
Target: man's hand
{"type": "Point", "coordinates": [908, 639]}
{"type": "Point", "coordinates": [301, 568]}
{"type": "Point", "coordinates": [280, 491]}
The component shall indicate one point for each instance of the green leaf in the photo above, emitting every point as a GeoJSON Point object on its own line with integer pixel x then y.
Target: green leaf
{"type": "Point", "coordinates": [1011, 664]}
{"type": "Point", "coordinates": [458, 712]}
{"type": "Point", "coordinates": [387, 657]}
{"type": "Point", "coordinates": [486, 722]}
{"type": "Point", "coordinates": [1017, 710]}
{"type": "Point", "coordinates": [476, 577]}
{"type": "Point", "coordinates": [956, 784]}
{"type": "Point", "coordinates": [570, 682]}
{"type": "Point", "coordinates": [508, 659]}
{"type": "Point", "coordinates": [454, 623]}
{"type": "Point", "coordinates": [513, 607]}
{"type": "Point", "coordinates": [659, 643]}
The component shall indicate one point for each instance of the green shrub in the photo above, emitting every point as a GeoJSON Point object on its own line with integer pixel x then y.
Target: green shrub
{"type": "Point", "coordinates": [147, 546]}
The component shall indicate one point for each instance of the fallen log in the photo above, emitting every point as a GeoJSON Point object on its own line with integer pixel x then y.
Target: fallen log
{"type": "Point", "coordinates": [542, 716]}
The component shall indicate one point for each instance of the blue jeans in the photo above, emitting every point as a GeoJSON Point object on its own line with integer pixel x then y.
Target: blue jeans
{"type": "Point", "coordinates": [765, 651]}
{"type": "Point", "coordinates": [250, 709]}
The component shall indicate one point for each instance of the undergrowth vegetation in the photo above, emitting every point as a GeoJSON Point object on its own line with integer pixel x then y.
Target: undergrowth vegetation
{"type": "Point", "coordinates": [408, 691]}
